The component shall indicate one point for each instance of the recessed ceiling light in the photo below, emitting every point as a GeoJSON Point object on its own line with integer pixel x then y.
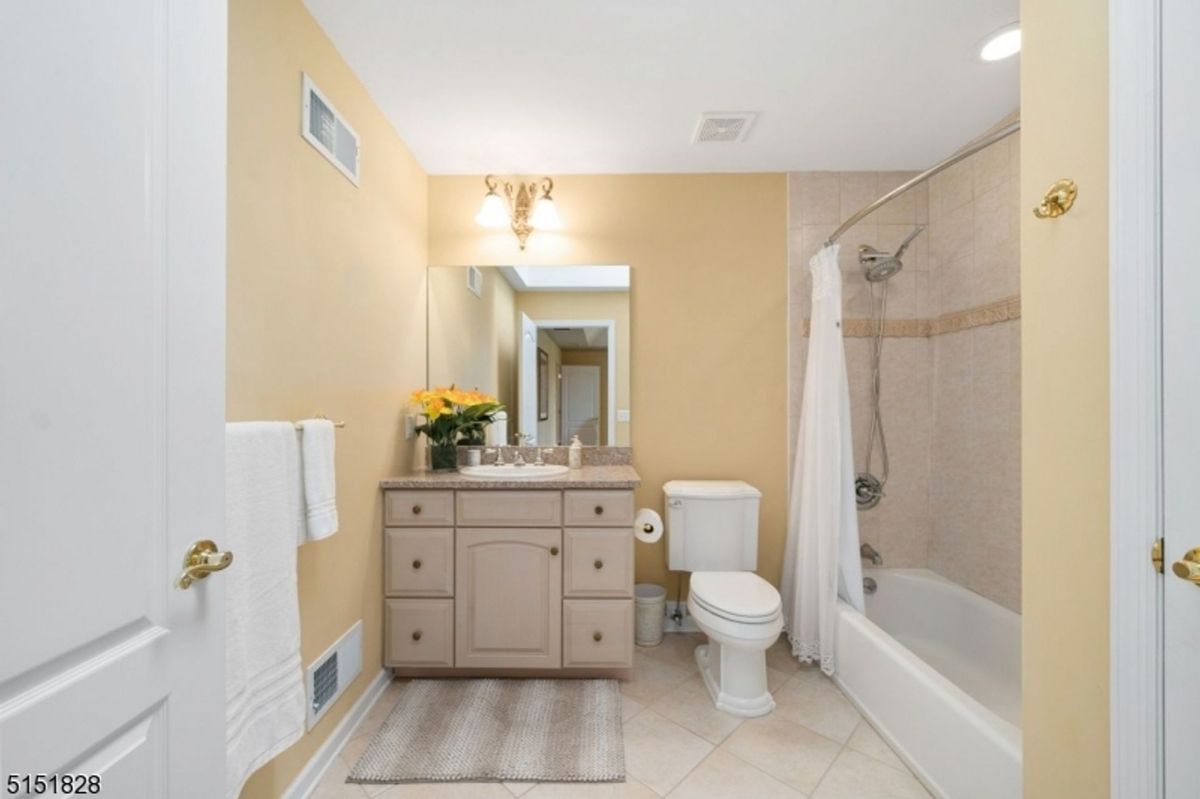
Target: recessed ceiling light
{"type": "Point", "coordinates": [1002, 44]}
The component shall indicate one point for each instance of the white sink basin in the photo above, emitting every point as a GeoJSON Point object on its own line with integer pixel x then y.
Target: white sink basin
{"type": "Point", "coordinates": [510, 472]}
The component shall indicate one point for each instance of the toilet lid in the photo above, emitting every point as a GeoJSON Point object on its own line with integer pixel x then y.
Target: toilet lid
{"type": "Point", "coordinates": [737, 596]}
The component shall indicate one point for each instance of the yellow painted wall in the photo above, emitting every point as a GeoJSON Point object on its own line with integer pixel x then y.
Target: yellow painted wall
{"type": "Point", "coordinates": [326, 310]}
{"type": "Point", "coordinates": [473, 340]}
{"type": "Point", "coordinates": [1064, 405]}
{"type": "Point", "coordinates": [708, 314]}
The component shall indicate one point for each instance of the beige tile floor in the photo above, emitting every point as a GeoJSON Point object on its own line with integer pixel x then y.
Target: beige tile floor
{"type": "Point", "coordinates": [814, 746]}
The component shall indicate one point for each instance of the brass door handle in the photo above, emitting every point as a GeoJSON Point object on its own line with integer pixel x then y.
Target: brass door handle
{"type": "Point", "coordinates": [202, 559]}
{"type": "Point", "coordinates": [1188, 567]}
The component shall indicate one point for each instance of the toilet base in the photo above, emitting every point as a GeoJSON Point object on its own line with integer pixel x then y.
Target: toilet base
{"type": "Point", "coordinates": [736, 679]}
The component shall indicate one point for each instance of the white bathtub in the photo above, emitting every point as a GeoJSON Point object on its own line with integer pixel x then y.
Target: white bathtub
{"type": "Point", "coordinates": [937, 670]}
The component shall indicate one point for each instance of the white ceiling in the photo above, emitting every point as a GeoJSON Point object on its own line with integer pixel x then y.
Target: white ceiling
{"type": "Point", "coordinates": [579, 338]}
{"type": "Point", "coordinates": [566, 278]}
{"type": "Point", "coordinates": [528, 87]}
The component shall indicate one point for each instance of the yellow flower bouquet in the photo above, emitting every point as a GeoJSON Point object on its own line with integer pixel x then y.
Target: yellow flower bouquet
{"type": "Point", "coordinates": [454, 417]}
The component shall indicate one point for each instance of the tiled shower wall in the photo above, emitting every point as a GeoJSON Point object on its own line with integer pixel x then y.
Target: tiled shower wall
{"type": "Point", "coordinates": [975, 455]}
{"type": "Point", "coordinates": [950, 400]}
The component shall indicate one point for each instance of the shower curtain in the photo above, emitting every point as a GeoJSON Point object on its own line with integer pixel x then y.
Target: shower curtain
{"type": "Point", "coordinates": [821, 560]}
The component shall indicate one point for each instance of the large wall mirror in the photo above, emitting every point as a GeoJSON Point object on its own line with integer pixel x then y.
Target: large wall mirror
{"type": "Point", "coordinates": [551, 342]}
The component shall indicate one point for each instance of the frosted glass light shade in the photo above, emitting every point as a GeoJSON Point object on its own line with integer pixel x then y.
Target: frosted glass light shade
{"type": "Point", "coordinates": [1002, 44]}
{"type": "Point", "coordinates": [493, 212]}
{"type": "Point", "coordinates": [545, 215]}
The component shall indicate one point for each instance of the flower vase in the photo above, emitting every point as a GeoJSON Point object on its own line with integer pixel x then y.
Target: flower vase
{"type": "Point", "coordinates": [443, 457]}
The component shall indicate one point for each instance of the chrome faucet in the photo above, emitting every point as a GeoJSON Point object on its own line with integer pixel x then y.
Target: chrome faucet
{"type": "Point", "coordinates": [518, 459]}
{"type": "Point", "coordinates": [499, 451]}
{"type": "Point", "coordinates": [870, 553]}
{"type": "Point", "coordinates": [540, 460]}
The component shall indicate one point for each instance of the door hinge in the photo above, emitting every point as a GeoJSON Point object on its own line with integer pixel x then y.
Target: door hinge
{"type": "Point", "coordinates": [1156, 555]}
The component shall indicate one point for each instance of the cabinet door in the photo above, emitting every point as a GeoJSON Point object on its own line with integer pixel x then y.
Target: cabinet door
{"type": "Point", "coordinates": [509, 588]}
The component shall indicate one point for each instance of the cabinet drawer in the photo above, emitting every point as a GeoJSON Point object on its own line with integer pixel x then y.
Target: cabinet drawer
{"type": "Point", "coordinates": [598, 508]}
{"type": "Point", "coordinates": [598, 562]}
{"type": "Point", "coordinates": [597, 632]}
{"type": "Point", "coordinates": [418, 509]}
{"type": "Point", "coordinates": [420, 632]}
{"type": "Point", "coordinates": [509, 509]}
{"type": "Point", "coordinates": [419, 562]}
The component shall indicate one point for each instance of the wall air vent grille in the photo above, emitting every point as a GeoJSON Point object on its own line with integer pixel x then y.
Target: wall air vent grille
{"type": "Point", "coordinates": [327, 130]}
{"type": "Point", "coordinates": [728, 127]}
{"type": "Point", "coordinates": [475, 280]}
{"type": "Point", "coordinates": [325, 682]}
{"type": "Point", "coordinates": [329, 675]}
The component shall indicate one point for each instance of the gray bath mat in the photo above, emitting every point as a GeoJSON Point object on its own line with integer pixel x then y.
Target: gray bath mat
{"type": "Point", "coordinates": [502, 730]}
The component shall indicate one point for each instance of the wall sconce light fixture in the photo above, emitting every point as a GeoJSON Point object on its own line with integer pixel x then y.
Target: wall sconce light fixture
{"type": "Point", "coordinates": [526, 208]}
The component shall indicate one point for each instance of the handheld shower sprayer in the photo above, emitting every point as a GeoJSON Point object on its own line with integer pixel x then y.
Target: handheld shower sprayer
{"type": "Point", "coordinates": [878, 267]}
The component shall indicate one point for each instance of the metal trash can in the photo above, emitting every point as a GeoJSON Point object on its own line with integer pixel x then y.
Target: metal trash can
{"type": "Point", "coordinates": [650, 603]}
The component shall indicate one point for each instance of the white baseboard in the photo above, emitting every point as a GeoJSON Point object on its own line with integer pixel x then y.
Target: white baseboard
{"type": "Point", "coordinates": [310, 776]}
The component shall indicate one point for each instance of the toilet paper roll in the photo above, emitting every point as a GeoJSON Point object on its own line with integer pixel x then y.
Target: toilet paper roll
{"type": "Point", "coordinates": [647, 526]}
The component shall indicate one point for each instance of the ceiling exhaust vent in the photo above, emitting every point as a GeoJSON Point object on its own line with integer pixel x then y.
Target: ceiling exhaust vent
{"type": "Point", "coordinates": [730, 126]}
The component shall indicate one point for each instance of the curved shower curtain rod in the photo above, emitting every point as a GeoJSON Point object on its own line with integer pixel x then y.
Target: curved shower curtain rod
{"type": "Point", "coordinates": [965, 152]}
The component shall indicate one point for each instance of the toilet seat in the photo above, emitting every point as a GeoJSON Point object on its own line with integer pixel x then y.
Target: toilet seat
{"type": "Point", "coordinates": [739, 597]}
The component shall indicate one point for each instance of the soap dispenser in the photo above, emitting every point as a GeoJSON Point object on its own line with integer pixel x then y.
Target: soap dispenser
{"type": "Point", "coordinates": [575, 453]}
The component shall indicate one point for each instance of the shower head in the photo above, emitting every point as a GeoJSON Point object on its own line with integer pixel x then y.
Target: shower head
{"type": "Point", "coordinates": [879, 266]}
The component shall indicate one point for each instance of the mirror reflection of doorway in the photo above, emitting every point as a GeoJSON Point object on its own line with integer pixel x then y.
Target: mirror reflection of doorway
{"type": "Point", "coordinates": [509, 331]}
{"type": "Point", "coordinates": [581, 404]}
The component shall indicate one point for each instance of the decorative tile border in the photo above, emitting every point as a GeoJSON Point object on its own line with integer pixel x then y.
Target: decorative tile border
{"type": "Point", "coordinates": [990, 314]}
{"type": "Point", "coordinates": [953, 322]}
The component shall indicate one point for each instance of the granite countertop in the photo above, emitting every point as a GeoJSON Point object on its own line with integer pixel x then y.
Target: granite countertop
{"type": "Point", "coordinates": [618, 476]}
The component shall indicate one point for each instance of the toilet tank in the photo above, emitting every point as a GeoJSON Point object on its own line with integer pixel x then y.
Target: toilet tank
{"type": "Point", "coordinates": [712, 525]}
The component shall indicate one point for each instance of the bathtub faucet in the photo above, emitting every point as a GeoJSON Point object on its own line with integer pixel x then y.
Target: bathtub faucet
{"type": "Point", "coordinates": [870, 553]}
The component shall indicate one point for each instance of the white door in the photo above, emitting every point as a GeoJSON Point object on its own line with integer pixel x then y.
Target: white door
{"type": "Point", "coordinates": [581, 404]}
{"type": "Point", "coordinates": [112, 223]}
{"type": "Point", "coordinates": [527, 383]}
{"type": "Point", "coordinates": [1181, 392]}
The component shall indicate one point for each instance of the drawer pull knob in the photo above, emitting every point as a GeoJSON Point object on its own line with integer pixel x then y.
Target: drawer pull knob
{"type": "Point", "coordinates": [599, 510]}
{"type": "Point", "coordinates": [416, 635]}
{"type": "Point", "coordinates": [597, 636]}
{"type": "Point", "coordinates": [417, 563]}
{"type": "Point", "coordinates": [553, 550]}
{"type": "Point", "coordinates": [599, 564]}
{"type": "Point", "coordinates": [416, 510]}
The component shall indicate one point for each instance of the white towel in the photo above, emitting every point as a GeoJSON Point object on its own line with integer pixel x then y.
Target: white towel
{"type": "Point", "coordinates": [264, 679]}
{"type": "Point", "coordinates": [320, 479]}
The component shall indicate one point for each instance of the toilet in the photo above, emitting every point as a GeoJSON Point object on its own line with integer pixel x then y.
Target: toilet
{"type": "Point", "coordinates": [712, 532]}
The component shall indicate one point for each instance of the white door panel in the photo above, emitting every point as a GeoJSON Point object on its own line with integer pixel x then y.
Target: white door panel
{"type": "Point", "coordinates": [112, 392]}
{"type": "Point", "coordinates": [527, 388]}
{"type": "Point", "coordinates": [1181, 390]}
{"type": "Point", "coordinates": [581, 404]}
